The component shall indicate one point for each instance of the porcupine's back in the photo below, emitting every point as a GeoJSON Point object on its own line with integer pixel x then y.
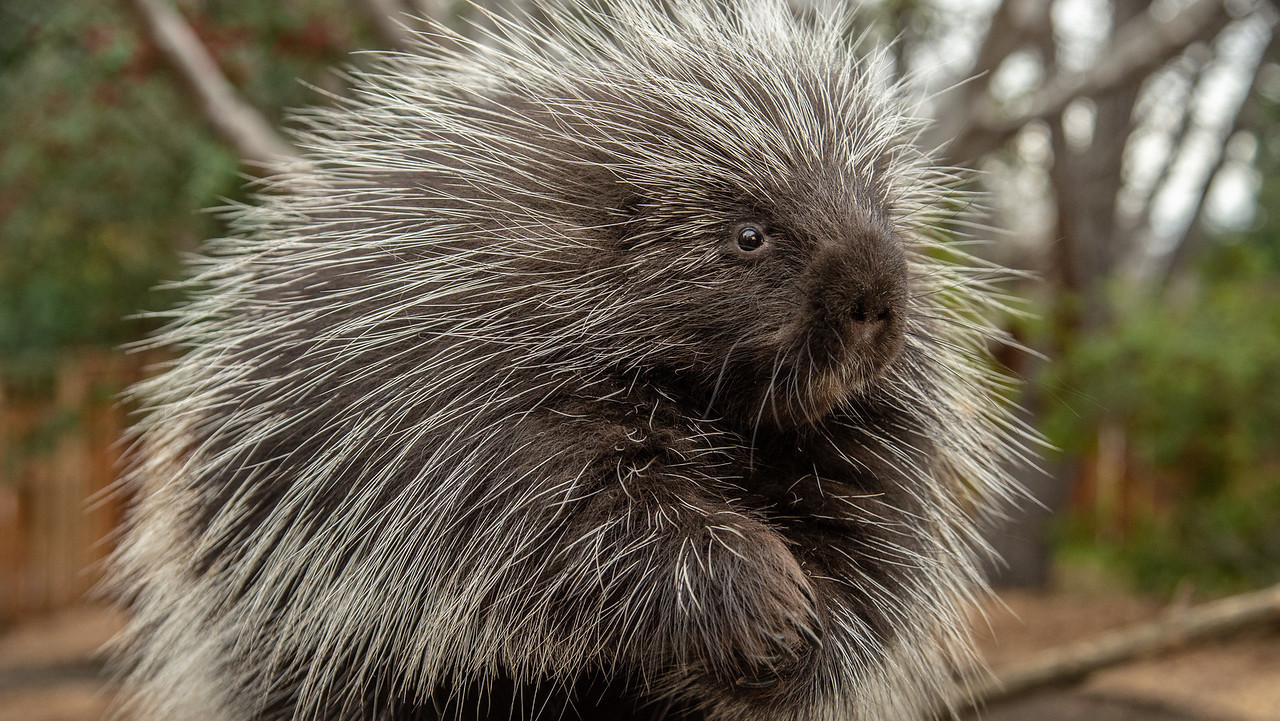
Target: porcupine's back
{"type": "Point", "coordinates": [487, 238]}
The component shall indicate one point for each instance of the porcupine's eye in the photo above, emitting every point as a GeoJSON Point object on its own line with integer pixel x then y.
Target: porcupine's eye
{"type": "Point", "coordinates": [750, 239]}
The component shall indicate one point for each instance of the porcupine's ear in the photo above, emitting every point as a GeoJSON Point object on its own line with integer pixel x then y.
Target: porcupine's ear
{"type": "Point", "coordinates": [635, 219]}
{"type": "Point", "coordinates": [629, 205]}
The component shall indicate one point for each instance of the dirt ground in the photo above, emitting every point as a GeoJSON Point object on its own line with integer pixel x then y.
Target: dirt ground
{"type": "Point", "coordinates": [47, 672]}
{"type": "Point", "coordinates": [1235, 679]}
{"type": "Point", "coordinates": [47, 669]}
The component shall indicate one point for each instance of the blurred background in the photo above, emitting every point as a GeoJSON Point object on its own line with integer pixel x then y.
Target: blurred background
{"type": "Point", "coordinates": [1129, 158]}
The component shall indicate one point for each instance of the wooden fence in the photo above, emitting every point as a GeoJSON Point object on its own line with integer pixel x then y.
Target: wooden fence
{"type": "Point", "coordinates": [59, 450]}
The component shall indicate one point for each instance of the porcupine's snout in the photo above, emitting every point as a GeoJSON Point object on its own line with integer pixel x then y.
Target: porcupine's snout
{"type": "Point", "coordinates": [858, 291]}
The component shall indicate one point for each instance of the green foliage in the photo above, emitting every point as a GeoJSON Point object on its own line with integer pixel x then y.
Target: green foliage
{"type": "Point", "coordinates": [1226, 542]}
{"type": "Point", "coordinates": [1193, 379]}
{"type": "Point", "coordinates": [105, 165]}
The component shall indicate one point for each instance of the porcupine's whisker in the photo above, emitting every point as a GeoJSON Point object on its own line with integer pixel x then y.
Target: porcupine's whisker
{"type": "Point", "coordinates": [715, 389]}
{"type": "Point", "coordinates": [766, 399]}
{"type": "Point", "coordinates": [808, 351]}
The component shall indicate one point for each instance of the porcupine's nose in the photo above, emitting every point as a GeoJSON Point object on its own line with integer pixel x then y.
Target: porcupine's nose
{"type": "Point", "coordinates": [866, 292]}
{"type": "Point", "coordinates": [869, 308]}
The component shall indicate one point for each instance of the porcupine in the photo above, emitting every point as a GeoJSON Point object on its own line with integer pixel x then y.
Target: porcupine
{"type": "Point", "coordinates": [618, 367]}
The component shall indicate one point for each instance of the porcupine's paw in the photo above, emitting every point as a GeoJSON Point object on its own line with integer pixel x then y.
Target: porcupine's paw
{"type": "Point", "coordinates": [766, 619]}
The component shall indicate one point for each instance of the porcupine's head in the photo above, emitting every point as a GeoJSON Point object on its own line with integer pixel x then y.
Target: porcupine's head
{"type": "Point", "coordinates": [789, 287]}
{"type": "Point", "coordinates": [757, 178]}
{"type": "Point", "coordinates": [757, 222]}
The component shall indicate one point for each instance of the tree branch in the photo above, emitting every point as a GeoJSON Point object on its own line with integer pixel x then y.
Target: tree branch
{"type": "Point", "coordinates": [237, 122]}
{"type": "Point", "coordinates": [1140, 46]}
{"type": "Point", "coordinates": [20, 678]}
{"type": "Point", "coordinates": [1075, 661]}
{"type": "Point", "coordinates": [1186, 126]}
{"type": "Point", "coordinates": [1184, 248]}
{"type": "Point", "coordinates": [388, 18]}
{"type": "Point", "coordinates": [1012, 24]}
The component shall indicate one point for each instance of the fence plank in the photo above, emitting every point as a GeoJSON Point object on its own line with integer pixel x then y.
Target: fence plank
{"type": "Point", "coordinates": [58, 455]}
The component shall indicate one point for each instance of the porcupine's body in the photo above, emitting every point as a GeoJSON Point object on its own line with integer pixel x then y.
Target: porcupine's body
{"type": "Point", "coordinates": [610, 373]}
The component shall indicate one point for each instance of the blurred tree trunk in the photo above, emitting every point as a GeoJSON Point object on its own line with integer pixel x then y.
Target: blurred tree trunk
{"type": "Point", "coordinates": [242, 126]}
{"type": "Point", "coordinates": [1091, 117]}
{"type": "Point", "coordinates": [1086, 182]}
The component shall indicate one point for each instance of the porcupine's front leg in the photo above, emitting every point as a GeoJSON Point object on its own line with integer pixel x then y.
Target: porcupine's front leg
{"type": "Point", "coordinates": [646, 590]}
{"type": "Point", "coordinates": [671, 574]}
{"type": "Point", "coordinates": [710, 588]}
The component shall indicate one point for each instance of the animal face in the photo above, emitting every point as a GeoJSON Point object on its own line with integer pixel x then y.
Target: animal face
{"type": "Point", "coordinates": [778, 310]}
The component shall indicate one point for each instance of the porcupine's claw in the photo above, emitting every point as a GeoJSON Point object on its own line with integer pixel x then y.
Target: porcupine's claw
{"type": "Point", "coordinates": [764, 669]}
{"type": "Point", "coordinates": [766, 681]}
{"type": "Point", "coordinates": [807, 626]}
{"type": "Point", "coordinates": [812, 632]}
{"type": "Point", "coordinates": [780, 645]}
{"type": "Point", "coordinates": [784, 656]}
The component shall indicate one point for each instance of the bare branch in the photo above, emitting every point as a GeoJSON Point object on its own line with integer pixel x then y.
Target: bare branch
{"type": "Point", "coordinates": [1141, 45]}
{"type": "Point", "coordinates": [1184, 247]}
{"type": "Point", "coordinates": [23, 678]}
{"type": "Point", "coordinates": [1196, 64]}
{"type": "Point", "coordinates": [388, 18]}
{"type": "Point", "coordinates": [235, 120]}
{"type": "Point", "coordinates": [1012, 24]}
